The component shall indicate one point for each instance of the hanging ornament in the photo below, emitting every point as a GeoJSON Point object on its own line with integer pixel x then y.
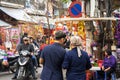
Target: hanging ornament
{"type": "Point", "coordinates": [59, 27]}
{"type": "Point", "coordinates": [81, 30]}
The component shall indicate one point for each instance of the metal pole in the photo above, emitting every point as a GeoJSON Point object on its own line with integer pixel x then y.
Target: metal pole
{"type": "Point", "coordinates": [59, 7]}
{"type": "Point", "coordinates": [108, 8]}
{"type": "Point", "coordinates": [48, 22]}
{"type": "Point", "coordinates": [108, 24]}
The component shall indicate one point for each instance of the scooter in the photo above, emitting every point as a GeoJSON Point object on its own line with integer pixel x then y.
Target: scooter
{"type": "Point", "coordinates": [7, 63]}
{"type": "Point", "coordinates": [23, 60]}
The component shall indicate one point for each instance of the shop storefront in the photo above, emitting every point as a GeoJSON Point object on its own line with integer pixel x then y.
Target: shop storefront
{"type": "Point", "coordinates": [3, 33]}
{"type": "Point", "coordinates": [93, 41]}
{"type": "Point", "coordinates": [76, 27]}
{"type": "Point", "coordinates": [17, 18]}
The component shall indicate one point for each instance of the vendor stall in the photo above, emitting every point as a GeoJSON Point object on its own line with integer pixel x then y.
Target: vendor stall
{"type": "Point", "coordinates": [85, 34]}
{"type": "Point", "coordinates": [3, 27]}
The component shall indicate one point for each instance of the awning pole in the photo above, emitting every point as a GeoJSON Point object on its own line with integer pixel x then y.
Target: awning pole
{"type": "Point", "coordinates": [108, 25]}
{"type": "Point", "coordinates": [48, 22]}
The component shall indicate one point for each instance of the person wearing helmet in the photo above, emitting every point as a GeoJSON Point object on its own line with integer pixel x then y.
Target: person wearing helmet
{"type": "Point", "coordinates": [52, 57]}
{"type": "Point", "coordinates": [26, 46]}
{"type": "Point", "coordinates": [24, 35]}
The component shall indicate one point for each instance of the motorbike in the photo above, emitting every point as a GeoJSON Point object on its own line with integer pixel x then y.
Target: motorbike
{"type": "Point", "coordinates": [7, 62]}
{"type": "Point", "coordinates": [23, 60]}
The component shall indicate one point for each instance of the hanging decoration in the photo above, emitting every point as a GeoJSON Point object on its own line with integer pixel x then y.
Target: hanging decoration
{"type": "Point", "coordinates": [81, 30]}
{"type": "Point", "coordinates": [117, 32]}
{"type": "Point", "coordinates": [82, 33]}
{"type": "Point", "coordinates": [97, 27]}
{"type": "Point", "coordinates": [14, 32]}
{"type": "Point", "coordinates": [2, 35]}
{"type": "Point", "coordinates": [59, 26]}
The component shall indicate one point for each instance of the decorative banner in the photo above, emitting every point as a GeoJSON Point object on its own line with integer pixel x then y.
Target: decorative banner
{"type": "Point", "coordinates": [50, 9]}
{"type": "Point", "coordinates": [82, 33]}
{"type": "Point", "coordinates": [68, 24]}
{"type": "Point", "coordinates": [2, 35]}
{"type": "Point", "coordinates": [65, 28]}
{"type": "Point", "coordinates": [81, 30]}
{"type": "Point", "coordinates": [7, 32]}
{"type": "Point", "coordinates": [59, 26]}
{"type": "Point", "coordinates": [97, 27]}
{"type": "Point", "coordinates": [39, 28]}
{"type": "Point", "coordinates": [14, 32]}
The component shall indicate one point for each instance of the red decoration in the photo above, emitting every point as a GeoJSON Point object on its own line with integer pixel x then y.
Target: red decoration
{"type": "Point", "coordinates": [59, 28]}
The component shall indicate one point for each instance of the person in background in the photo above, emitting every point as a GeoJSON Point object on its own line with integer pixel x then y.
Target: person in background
{"type": "Point", "coordinates": [67, 45]}
{"type": "Point", "coordinates": [34, 59]}
{"type": "Point", "coordinates": [45, 38]}
{"type": "Point", "coordinates": [24, 35]}
{"type": "Point", "coordinates": [109, 63]}
{"type": "Point", "coordinates": [8, 44]}
{"type": "Point", "coordinates": [76, 61]}
{"type": "Point", "coordinates": [42, 46]}
{"type": "Point", "coordinates": [34, 41]}
{"type": "Point", "coordinates": [39, 38]}
{"type": "Point", "coordinates": [52, 57]}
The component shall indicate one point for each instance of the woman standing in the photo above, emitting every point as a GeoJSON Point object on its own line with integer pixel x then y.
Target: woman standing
{"type": "Point", "coordinates": [109, 64]}
{"type": "Point", "coordinates": [76, 61]}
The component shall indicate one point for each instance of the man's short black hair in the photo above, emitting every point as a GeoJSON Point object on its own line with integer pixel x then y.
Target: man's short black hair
{"type": "Point", "coordinates": [59, 35]}
{"type": "Point", "coordinates": [25, 34]}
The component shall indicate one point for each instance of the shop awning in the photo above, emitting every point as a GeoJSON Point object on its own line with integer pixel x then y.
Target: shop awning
{"type": "Point", "coordinates": [85, 19]}
{"type": "Point", "coordinates": [18, 14]}
{"type": "Point", "coordinates": [43, 20]}
{"type": "Point", "coordinates": [39, 19]}
{"type": "Point", "coordinates": [4, 24]}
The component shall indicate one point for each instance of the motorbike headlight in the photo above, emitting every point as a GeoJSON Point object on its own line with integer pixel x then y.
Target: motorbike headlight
{"type": "Point", "coordinates": [24, 53]}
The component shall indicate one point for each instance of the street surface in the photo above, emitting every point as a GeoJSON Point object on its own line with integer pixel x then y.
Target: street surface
{"type": "Point", "coordinates": [8, 75]}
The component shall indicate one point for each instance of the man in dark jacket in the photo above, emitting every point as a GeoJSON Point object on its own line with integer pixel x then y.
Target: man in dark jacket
{"type": "Point", "coordinates": [52, 57]}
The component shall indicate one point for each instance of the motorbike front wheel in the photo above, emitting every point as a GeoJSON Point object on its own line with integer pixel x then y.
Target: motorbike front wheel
{"type": "Point", "coordinates": [21, 73]}
{"type": "Point", "coordinates": [27, 73]}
